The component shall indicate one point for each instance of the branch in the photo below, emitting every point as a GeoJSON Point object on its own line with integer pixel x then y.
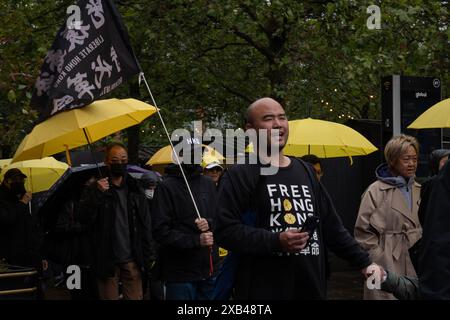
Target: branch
{"type": "Point", "coordinates": [253, 43]}
{"type": "Point", "coordinates": [247, 39]}
{"type": "Point", "coordinates": [229, 89]}
{"type": "Point", "coordinates": [237, 93]}
{"type": "Point", "coordinates": [254, 17]}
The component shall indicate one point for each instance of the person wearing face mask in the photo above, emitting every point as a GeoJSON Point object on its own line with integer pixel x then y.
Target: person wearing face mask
{"type": "Point", "coordinates": [19, 234]}
{"type": "Point", "coordinates": [118, 215]}
{"type": "Point", "coordinates": [149, 181]}
{"type": "Point", "coordinates": [188, 256]}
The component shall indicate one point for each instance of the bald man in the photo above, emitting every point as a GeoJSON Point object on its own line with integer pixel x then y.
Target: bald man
{"type": "Point", "coordinates": [260, 220]}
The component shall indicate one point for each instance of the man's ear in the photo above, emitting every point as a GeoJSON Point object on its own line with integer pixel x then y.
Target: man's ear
{"type": "Point", "coordinates": [248, 126]}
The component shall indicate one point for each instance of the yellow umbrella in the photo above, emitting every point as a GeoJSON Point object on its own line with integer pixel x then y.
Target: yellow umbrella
{"type": "Point", "coordinates": [325, 139]}
{"type": "Point", "coordinates": [41, 173]}
{"type": "Point", "coordinates": [438, 116]}
{"type": "Point", "coordinates": [164, 155]}
{"type": "Point", "coordinates": [78, 127]}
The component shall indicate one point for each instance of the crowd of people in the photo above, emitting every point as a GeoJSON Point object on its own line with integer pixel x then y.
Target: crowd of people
{"type": "Point", "coordinates": [146, 238]}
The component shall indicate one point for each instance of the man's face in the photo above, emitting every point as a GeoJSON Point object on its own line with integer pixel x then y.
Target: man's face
{"type": "Point", "coordinates": [214, 173]}
{"type": "Point", "coordinates": [270, 115]}
{"type": "Point", "coordinates": [117, 155]}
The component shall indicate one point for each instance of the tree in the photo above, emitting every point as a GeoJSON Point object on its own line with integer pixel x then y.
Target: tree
{"type": "Point", "coordinates": [210, 59]}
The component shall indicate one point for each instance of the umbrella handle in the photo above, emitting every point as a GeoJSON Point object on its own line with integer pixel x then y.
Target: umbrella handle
{"type": "Point", "coordinates": [91, 148]}
{"type": "Point", "coordinates": [69, 161]}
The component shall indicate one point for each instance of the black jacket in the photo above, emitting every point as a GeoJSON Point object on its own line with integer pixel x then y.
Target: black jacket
{"type": "Point", "coordinates": [434, 258]}
{"type": "Point", "coordinates": [97, 211]}
{"type": "Point", "coordinates": [67, 241]}
{"type": "Point", "coordinates": [255, 244]}
{"type": "Point", "coordinates": [181, 258]}
{"type": "Point", "coordinates": [20, 238]}
{"type": "Point", "coordinates": [425, 192]}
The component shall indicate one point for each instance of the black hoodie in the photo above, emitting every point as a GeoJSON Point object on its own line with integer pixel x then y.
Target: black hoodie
{"type": "Point", "coordinates": [181, 258]}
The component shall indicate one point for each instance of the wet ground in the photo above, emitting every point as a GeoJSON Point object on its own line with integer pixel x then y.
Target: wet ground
{"type": "Point", "coordinates": [345, 283]}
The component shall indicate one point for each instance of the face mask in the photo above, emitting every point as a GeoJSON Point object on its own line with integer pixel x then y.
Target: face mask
{"type": "Point", "coordinates": [149, 193]}
{"type": "Point", "coordinates": [118, 169]}
{"type": "Point", "coordinates": [18, 188]}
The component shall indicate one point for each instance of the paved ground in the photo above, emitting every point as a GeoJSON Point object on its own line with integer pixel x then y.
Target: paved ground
{"type": "Point", "coordinates": [345, 284]}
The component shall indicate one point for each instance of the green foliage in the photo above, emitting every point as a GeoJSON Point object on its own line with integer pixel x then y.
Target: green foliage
{"type": "Point", "coordinates": [209, 59]}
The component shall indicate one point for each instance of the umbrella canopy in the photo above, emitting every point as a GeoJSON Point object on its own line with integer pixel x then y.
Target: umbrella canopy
{"type": "Point", "coordinates": [83, 157]}
{"type": "Point", "coordinates": [4, 162]}
{"type": "Point", "coordinates": [325, 139]}
{"type": "Point", "coordinates": [68, 185]}
{"type": "Point", "coordinates": [164, 155]}
{"type": "Point", "coordinates": [41, 173]}
{"type": "Point", "coordinates": [73, 128]}
{"type": "Point", "coordinates": [438, 116]}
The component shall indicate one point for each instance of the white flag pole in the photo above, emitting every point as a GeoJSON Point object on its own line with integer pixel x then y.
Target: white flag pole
{"type": "Point", "coordinates": [142, 77]}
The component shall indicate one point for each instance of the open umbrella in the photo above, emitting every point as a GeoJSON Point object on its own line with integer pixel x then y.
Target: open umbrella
{"type": "Point", "coordinates": [165, 155]}
{"type": "Point", "coordinates": [325, 139]}
{"type": "Point", "coordinates": [78, 127]}
{"type": "Point", "coordinates": [66, 186]}
{"type": "Point", "coordinates": [438, 116]}
{"type": "Point", "coordinates": [41, 173]}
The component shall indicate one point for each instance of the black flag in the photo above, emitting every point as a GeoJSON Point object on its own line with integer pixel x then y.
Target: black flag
{"type": "Point", "coordinates": [90, 57]}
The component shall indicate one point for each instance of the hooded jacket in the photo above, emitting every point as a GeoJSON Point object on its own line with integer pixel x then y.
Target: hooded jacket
{"type": "Point", "coordinates": [383, 174]}
{"type": "Point", "coordinates": [181, 258]}
{"type": "Point", "coordinates": [387, 225]}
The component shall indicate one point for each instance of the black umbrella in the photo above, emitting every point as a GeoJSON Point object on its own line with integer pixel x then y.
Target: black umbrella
{"type": "Point", "coordinates": [70, 183]}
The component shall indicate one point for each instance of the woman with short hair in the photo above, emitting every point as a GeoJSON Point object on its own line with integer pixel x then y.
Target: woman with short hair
{"type": "Point", "coordinates": [387, 224]}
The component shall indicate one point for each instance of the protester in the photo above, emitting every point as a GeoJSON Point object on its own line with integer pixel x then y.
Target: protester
{"type": "Point", "coordinates": [434, 258]}
{"type": "Point", "coordinates": [67, 241]}
{"type": "Point", "coordinates": [117, 213]}
{"type": "Point", "coordinates": [437, 160]}
{"type": "Point", "coordinates": [150, 181]}
{"type": "Point", "coordinates": [188, 255]}
{"type": "Point", "coordinates": [213, 170]}
{"type": "Point", "coordinates": [260, 219]}
{"type": "Point", "coordinates": [316, 163]}
{"type": "Point", "coordinates": [387, 224]}
{"type": "Point", "coordinates": [20, 237]}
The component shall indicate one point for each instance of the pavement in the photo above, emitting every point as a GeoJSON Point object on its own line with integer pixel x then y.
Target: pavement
{"type": "Point", "coordinates": [345, 283]}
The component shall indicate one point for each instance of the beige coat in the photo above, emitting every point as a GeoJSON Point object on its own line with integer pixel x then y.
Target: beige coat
{"type": "Point", "coordinates": [387, 228]}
